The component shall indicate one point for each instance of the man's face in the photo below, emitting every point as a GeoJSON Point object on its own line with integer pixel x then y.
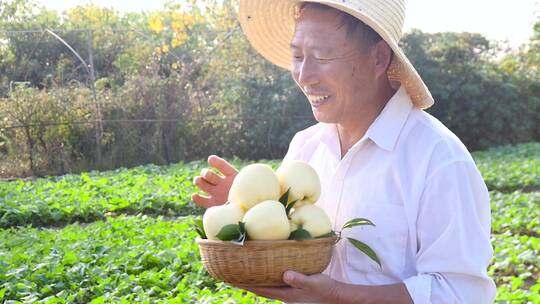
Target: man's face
{"type": "Point", "coordinates": [334, 71]}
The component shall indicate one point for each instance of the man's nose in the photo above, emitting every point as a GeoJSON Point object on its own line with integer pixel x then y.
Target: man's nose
{"type": "Point", "coordinates": [307, 74]}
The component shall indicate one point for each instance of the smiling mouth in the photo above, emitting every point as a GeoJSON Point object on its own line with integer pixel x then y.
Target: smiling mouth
{"type": "Point", "coordinates": [317, 99]}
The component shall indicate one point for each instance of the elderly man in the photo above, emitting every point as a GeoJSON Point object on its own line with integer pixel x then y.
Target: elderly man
{"type": "Point", "coordinates": [379, 156]}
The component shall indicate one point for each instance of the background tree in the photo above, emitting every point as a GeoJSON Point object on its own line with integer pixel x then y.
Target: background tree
{"type": "Point", "coordinates": [182, 82]}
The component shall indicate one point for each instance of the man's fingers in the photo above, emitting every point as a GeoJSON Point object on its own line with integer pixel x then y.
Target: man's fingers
{"type": "Point", "coordinates": [211, 177]}
{"type": "Point", "coordinates": [297, 280]}
{"type": "Point", "coordinates": [222, 165]}
{"type": "Point", "coordinates": [278, 293]}
{"type": "Point", "coordinates": [202, 184]}
{"type": "Point", "coordinates": [203, 201]}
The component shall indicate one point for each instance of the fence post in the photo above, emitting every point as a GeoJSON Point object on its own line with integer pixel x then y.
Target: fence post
{"type": "Point", "coordinates": [92, 79]}
{"type": "Point", "coordinates": [99, 118]}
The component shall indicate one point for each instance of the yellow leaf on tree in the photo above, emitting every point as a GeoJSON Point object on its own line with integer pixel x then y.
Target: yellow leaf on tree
{"type": "Point", "coordinates": [179, 39]}
{"type": "Point", "coordinates": [156, 24]}
{"type": "Point", "coordinates": [177, 25]}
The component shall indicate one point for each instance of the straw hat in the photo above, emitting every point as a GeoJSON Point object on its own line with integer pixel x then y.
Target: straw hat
{"type": "Point", "coordinates": [269, 26]}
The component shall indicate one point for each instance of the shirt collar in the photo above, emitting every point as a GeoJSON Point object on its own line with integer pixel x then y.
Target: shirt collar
{"type": "Point", "coordinates": [385, 130]}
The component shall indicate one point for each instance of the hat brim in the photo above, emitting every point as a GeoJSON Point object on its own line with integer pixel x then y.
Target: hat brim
{"type": "Point", "coordinates": [269, 27]}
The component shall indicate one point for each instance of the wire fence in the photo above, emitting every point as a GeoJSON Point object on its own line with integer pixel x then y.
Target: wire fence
{"type": "Point", "coordinates": [43, 146]}
{"type": "Point", "coordinates": [48, 149]}
{"type": "Point", "coordinates": [202, 120]}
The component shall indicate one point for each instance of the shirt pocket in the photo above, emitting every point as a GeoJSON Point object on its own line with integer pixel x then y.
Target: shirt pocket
{"type": "Point", "coordinates": [388, 239]}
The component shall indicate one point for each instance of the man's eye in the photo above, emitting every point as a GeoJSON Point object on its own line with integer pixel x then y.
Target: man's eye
{"type": "Point", "coordinates": [298, 57]}
{"type": "Point", "coordinates": [320, 59]}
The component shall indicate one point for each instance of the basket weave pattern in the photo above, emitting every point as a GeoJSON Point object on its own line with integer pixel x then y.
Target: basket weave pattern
{"type": "Point", "coordinates": [262, 263]}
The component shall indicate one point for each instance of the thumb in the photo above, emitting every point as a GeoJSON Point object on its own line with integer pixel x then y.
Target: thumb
{"type": "Point", "coordinates": [297, 280]}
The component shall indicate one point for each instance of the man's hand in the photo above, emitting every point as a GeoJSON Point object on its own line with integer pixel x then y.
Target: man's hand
{"type": "Point", "coordinates": [216, 186]}
{"type": "Point", "coordinates": [317, 288]}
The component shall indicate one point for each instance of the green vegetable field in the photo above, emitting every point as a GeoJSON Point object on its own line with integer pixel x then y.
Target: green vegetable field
{"type": "Point", "coordinates": [125, 236]}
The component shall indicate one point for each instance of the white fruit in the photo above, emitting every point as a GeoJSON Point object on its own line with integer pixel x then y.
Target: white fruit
{"type": "Point", "coordinates": [267, 221]}
{"type": "Point", "coordinates": [303, 181]}
{"type": "Point", "coordinates": [217, 217]}
{"type": "Point", "coordinates": [253, 184]}
{"type": "Point", "coordinates": [311, 218]}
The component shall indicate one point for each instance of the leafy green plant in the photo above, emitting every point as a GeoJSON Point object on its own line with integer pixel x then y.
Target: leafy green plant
{"type": "Point", "coordinates": [517, 212]}
{"type": "Point", "coordinates": [510, 168]}
{"type": "Point", "coordinates": [129, 259]}
{"type": "Point", "coordinates": [91, 196]}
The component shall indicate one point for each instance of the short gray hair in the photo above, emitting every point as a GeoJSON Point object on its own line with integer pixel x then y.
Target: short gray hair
{"type": "Point", "coordinates": [353, 25]}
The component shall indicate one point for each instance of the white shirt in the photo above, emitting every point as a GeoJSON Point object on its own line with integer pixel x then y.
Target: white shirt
{"type": "Point", "coordinates": [418, 183]}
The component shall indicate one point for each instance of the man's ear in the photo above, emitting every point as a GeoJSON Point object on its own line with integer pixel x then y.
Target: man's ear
{"type": "Point", "coordinates": [383, 57]}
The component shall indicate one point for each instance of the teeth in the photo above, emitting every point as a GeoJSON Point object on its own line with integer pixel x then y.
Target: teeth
{"type": "Point", "coordinates": [317, 98]}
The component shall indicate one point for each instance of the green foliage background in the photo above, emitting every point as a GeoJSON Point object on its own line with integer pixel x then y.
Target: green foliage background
{"type": "Point", "coordinates": [183, 82]}
{"type": "Point", "coordinates": [125, 236]}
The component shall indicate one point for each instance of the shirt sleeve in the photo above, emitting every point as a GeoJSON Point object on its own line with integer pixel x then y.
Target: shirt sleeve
{"type": "Point", "coordinates": [453, 230]}
{"type": "Point", "coordinates": [295, 147]}
{"type": "Point", "coordinates": [292, 149]}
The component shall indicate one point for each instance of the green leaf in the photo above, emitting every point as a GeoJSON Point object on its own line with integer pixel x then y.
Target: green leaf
{"type": "Point", "coordinates": [357, 222]}
{"type": "Point", "coordinates": [329, 234]}
{"type": "Point", "coordinates": [200, 233]}
{"type": "Point", "coordinates": [284, 198]}
{"type": "Point", "coordinates": [242, 237]}
{"type": "Point", "coordinates": [366, 250]}
{"type": "Point", "coordinates": [240, 240]}
{"type": "Point", "coordinates": [241, 227]}
{"type": "Point", "coordinates": [300, 235]}
{"type": "Point", "coordinates": [229, 232]}
{"type": "Point", "coordinates": [199, 228]}
{"type": "Point", "coordinates": [290, 206]}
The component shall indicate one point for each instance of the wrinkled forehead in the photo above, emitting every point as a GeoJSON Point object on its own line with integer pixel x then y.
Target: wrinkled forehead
{"type": "Point", "coordinates": [321, 27]}
{"type": "Point", "coordinates": [325, 15]}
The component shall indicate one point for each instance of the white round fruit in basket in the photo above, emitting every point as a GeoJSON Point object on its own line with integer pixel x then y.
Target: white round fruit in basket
{"type": "Point", "coordinates": [255, 183]}
{"type": "Point", "coordinates": [302, 182]}
{"type": "Point", "coordinates": [217, 217]}
{"type": "Point", "coordinates": [311, 218]}
{"type": "Point", "coordinates": [267, 221]}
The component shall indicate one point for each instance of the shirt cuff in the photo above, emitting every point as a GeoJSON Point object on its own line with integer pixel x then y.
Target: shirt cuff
{"type": "Point", "coordinates": [419, 288]}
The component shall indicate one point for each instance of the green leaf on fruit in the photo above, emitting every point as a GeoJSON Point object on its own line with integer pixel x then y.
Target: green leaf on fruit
{"type": "Point", "coordinates": [229, 232]}
{"type": "Point", "coordinates": [357, 222]}
{"type": "Point", "coordinates": [235, 233]}
{"type": "Point", "coordinates": [284, 198]}
{"type": "Point", "coordinates": [240, 240]}
{"type": "Point", "coordinates": [243, 234]}
{"type": "Point", "coordinates": [290, 206]}
{"type": "Point", "coordinates": [366, 250]}
{"type": "Point", "coordinates": [300, 235]}
{"type": "Point", "coordinates": [242, 227]}
{"type": "Point", "coordinates": [199, 228]}
{"type": "Point", "coordinates": [329, 234]}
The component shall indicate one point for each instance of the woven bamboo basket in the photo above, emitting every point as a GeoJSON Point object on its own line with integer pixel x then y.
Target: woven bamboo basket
{"type": "Point", "coordinates": [262, 263]}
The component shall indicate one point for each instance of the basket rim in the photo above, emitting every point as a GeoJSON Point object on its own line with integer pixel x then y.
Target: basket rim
{"type": "Point", "coordinates": [330, 239]}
